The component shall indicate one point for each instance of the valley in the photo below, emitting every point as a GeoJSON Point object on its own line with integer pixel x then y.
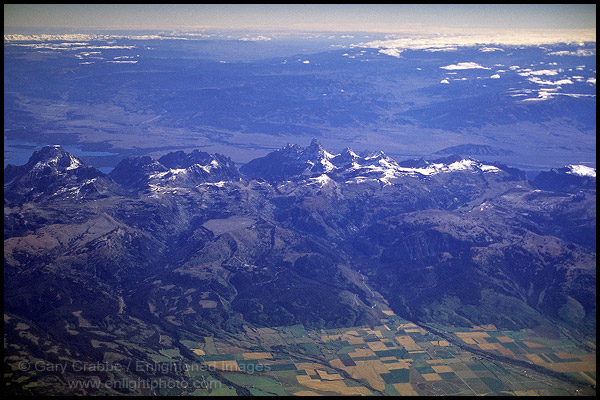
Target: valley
{"type": "Point", "coordinates": [397, 357]}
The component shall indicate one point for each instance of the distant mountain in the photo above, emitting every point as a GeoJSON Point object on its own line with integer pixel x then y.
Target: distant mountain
{"type": "Point", "coordinates": [174, 169]}
{"type": "Point", "coordinates": [134, 172]}
{"type": "Point", "coordinates": [475, 150]}
{"type": "Point", "coordinates": [292, 161]}
{"type": "Point", "coordinates": [570, 179]}
{"type": "Point", "coordinates": [314, 162]}
{"type": "Point", "coordinates": [51, 174]}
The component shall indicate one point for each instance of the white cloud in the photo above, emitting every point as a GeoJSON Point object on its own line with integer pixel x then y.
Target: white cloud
{"type": "Point", "coordinates": [486, 39]}
{"type": "Point", "coordinates": [539, 81]}
{"type": "Point", "coordinates": [123, 62]}
{"type": "Point", "coordinates": [489, 49]}
{"type": "Point", "coordinates": [578, 53]}
{"type": "Point", "coordinates": [255, 38]}
{"type": "Point", "coordinates": [495, 76]}
{"type": "Point", "coordinates": [545, 72]}
{"type": "Point", "coordinates": [391, 52]}
{"type": "Point", "coordinates": [464, 65]}
{"type": "Point", "coordinates": [67, 46]}
{"type": "Point", "coordinates": [446, 81]}
{"type": "Point", "coordinates": [528, 72]}
{"type": "Point", "coordinates": [543, 94]}
{"type": "Point", "coordinates": [436, 49]}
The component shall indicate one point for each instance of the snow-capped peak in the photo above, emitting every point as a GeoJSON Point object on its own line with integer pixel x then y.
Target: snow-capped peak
{"type": "Point", "coordinates": [316, 151]}
{"type": "Point", "coordinates": [75, 163]}
{"type": "Point", "coordinates": [464, 164]}
{"type": "Point", "coordinates": [313, 161]}
{"type": "Point", "coordinates": [56, 158]}
{"type": "Point", "coordinates": [349, 153]}
{"type": "Point", "coordinates": [581, 170]}
{"type": "Point", "coordinates": [383, 168]}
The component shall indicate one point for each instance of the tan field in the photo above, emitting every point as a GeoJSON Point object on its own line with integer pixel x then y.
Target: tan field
{"type": "Point", "coordinates": [408, 343]}
{"type": "Point", "coordinates": [229, 366]}
{"type": "Point", "coordinates": [257, 356]}
{"type": "Point", "coordinates": [405, 389]}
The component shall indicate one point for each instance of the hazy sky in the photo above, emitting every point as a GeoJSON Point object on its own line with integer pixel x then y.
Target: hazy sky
{"type": "Point", "coordinates": [352, 17]}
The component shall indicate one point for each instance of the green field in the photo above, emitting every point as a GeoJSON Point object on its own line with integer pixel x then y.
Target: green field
{"type": "Point", "coordinates": [395, 358]}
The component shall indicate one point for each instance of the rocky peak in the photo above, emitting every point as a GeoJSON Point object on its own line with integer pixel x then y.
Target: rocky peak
{"type": "Point", "coordinates": [52, 172]}
{"type": "Point", "coordinates": [315, 150]}
{"type": "Point", "coordinates": [175, 169]}
{"type": "Point", "coordinates": [134, 171]}
{"type": "Point", "coordinates": [569, 179]}
{"type": "Point", "coordinates": [345, 158]}
{"type": "Point", "coordinates": [297, 163]}
{"type": "Point", "coordinates": [180, 159]}
{"type": "Point", "coordinates": [54, 159]}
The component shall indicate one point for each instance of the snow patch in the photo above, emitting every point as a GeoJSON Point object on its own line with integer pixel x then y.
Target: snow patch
{"type": "Point", "coordinates": [581, 170]}
{"type": "Point", "coordinates": [74, 163]}
{"type": "Point", "coordinates": [322, 179]}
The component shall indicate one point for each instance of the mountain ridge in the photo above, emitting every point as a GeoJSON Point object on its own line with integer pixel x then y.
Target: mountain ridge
{"type": "Point", "coordinates": [322, 244]}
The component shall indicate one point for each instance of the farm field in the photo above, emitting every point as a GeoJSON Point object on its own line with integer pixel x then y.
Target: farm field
{"type": "Point", "coordinates": [395, 358]}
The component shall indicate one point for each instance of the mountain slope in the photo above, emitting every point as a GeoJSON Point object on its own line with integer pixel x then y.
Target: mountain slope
{"type": "Point", "coordinates": [176, 169]}
{"type": "Point", "coordinates": [54, 174]}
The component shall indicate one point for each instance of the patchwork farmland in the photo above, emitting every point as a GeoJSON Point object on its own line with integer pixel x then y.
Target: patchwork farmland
{"type": "Point", "coordinates": [395, 358]}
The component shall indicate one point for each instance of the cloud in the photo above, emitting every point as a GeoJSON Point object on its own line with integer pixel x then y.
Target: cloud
{"type": "Point", "coordinates": [495, 76]}
{"type": "Point", "coordinates": [391, 52]}
{"type": "Point", "coordinates": [545, 72]}
{"type": "Point", "coordinates": [489, 49]}
{"type": "Point", "coordinates": [464, 65]}
{"type": "Point", "coordinates": [436, 49]}
{"type": "Point", "coordinates": [488, 39]}
{"type": "Point", "coordinates": [255, 38]}
{"type": "Point", "coordinates": [577, 53]}
{"type": "Point", "coordinates": [539, 81]}
{"type": "Point", "coordinates": [528, 72]}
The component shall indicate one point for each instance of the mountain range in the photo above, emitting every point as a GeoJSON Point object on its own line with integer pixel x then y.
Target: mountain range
{"type": "Point", "coordinates": [97, 266]}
